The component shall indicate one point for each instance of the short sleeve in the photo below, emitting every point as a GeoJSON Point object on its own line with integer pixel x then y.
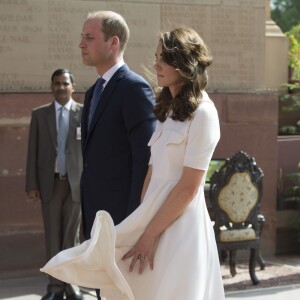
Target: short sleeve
{"type": "Point", "coordinates": [203, 136]}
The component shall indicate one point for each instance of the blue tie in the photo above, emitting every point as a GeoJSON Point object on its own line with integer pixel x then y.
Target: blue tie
{"type": "Point", "coordinates": [96, 97]}
{"type": "Point", "coordinates": [62, 135]}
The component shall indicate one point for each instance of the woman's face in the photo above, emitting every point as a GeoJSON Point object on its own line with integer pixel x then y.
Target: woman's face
{"type": "Point", "coordinates": [167, 75]}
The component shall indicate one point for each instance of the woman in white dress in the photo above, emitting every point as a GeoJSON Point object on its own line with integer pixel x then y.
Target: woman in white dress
{"type": "Point", "coordinates": [166, 249]}
{"type": "Point", "coordinates": [185, 263]}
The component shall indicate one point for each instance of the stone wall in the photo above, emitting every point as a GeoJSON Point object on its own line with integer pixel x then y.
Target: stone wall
{"type": "Point", "coordinates": [36, 37]}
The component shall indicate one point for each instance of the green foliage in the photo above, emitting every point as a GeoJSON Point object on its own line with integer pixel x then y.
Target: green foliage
{"type": "Point", "coordinates": [295, 31]}
{"type": "Point", "coordinates": [294, 178]}
{"type": "Point", "coordinates": [290, 102]}
{"type": "Point", "coordinates": [291, 193]}
{"type": "Point", "coordinates": [214, 165]}
{"type": "Point", "coordinates": [294, 52]}
{"type": "Point", "coordinates": [293, 87]}
{"type": "Point", "coordinates": [294, 55]}
{"type": "Point", "coordinates": [288, 130]}
{"type": "Point", "coordinates": [286, 13]}
{"type": "Point", "coordinates": [295, 225]}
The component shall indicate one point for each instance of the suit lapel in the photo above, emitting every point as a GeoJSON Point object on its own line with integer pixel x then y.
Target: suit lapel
{"type": "Point", "coordinates": [51, 121]}
{"type": "Point", "coordinates": [74, 119]}
{"type": "Point", "coordinates": [105, 96]}
{"type": "Point", "coordinates": [85, 114]}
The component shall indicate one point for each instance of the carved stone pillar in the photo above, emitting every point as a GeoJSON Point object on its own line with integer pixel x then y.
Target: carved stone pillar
{"type": "Point", "coordinates": [276, 53]}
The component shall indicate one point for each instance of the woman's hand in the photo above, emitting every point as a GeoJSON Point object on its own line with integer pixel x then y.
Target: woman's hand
{"type": "Point", "coordinates": [142, 252]}
{"type": "Point", "coordinates": [174, 205]}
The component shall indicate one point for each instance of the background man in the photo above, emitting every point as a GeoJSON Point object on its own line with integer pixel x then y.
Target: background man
{"type": "Point", "coordinates": [54, 166]}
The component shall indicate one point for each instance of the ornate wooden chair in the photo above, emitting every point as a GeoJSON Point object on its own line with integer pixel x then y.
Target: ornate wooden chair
{"type": "Point", "coordinates": [235, 194]}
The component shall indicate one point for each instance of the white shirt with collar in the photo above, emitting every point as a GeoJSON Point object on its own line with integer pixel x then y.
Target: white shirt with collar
{"type": "Point", "coordinates": [57, 112]}
{"type": "Point", "coordinates": [110, 73]}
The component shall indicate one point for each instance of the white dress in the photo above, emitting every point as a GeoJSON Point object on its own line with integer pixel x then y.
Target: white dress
{"type": "Point", "coordinates": [186, 263]}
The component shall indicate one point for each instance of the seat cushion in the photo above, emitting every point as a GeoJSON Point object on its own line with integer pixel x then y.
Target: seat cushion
{"type": "Point", "coordinates": [236, 235]}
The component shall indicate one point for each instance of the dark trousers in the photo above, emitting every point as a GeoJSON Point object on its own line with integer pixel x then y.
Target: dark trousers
{"type": "Point", "coordinates": [61, 218]}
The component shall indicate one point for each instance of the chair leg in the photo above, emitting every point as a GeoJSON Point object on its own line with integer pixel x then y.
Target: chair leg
{"type": "Point", "coordinates": [232, 262]}
{"type": "Point", "coordinates": [260, 260]}
{"type": "Point", "coordinates": [223, 255]}
{"type": "Point", "coordinates": [261, 222]}
{"type": "Point", "coordinates": [252, 262]}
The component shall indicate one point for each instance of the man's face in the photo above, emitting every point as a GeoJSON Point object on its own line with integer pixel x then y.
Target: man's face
{"type": "Point", "coordinates": [95, 50]}
{"type": "Point", "coordinates": [62, 88]}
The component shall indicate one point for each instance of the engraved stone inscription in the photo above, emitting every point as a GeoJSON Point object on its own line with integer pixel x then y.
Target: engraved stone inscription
{"type": "Point", "coordinates": [144, 23]}
{"type": "Point", "coordinates": [186, 2]}
{"type": "Point", "coordinates": [234, 34]}
{"type": "Point", "coordinates": [36, 37]}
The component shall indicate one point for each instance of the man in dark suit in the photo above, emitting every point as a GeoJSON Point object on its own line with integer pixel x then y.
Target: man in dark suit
{"type": "Point", "coordinates": [54, 166]}
{"type": "Point", "coordinates": [115, 133]}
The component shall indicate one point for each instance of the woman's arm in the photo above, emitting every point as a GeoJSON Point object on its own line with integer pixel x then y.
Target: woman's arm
{"type": "Point", "coordinates": [174, 205]}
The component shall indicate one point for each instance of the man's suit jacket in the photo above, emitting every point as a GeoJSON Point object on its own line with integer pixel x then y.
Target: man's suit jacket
{"type": "Point", "coordinates": [115, 151]}
{"type": "Point", "coordinates": [42, 151]}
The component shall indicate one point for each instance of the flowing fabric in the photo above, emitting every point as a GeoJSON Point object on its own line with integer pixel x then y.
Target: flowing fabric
{"type": "Point", "coordinates": [186, 263]}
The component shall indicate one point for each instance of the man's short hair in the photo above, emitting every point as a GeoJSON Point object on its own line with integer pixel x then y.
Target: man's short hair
{"type": "Point", "coordinates": [59, 72]}
{"type": "Point", "coordinates": [113, 24]}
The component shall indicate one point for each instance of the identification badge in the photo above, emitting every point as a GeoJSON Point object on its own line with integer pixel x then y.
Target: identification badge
{"type": "Point", "coordinates": [78, 133]}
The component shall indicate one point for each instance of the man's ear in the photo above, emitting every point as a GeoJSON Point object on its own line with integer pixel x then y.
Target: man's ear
{"type": "Point", "coordinates": [115, 42]}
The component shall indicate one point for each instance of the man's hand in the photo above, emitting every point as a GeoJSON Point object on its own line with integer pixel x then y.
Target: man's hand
{"type": "Point", "coordinates": [33, 195]}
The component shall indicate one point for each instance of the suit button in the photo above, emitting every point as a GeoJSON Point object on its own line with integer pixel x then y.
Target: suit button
{"type": "Point", "coordinates": [85, 165]}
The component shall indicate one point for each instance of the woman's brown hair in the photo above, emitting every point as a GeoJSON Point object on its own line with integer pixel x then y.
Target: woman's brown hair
{"type": "Point", "coordinates": [183, 49]}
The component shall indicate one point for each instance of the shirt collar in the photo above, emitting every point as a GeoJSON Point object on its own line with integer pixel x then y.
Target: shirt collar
{"type": "Point", "coordinates": [67, 105]}
{"type": "Point", "coordinates": [110, 73]}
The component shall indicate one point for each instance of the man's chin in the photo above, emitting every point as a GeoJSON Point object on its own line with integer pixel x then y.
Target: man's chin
{"type": "Point", "coordinates": [62, 100]}
{"type": "Point", "coordinates": [87, 64]}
